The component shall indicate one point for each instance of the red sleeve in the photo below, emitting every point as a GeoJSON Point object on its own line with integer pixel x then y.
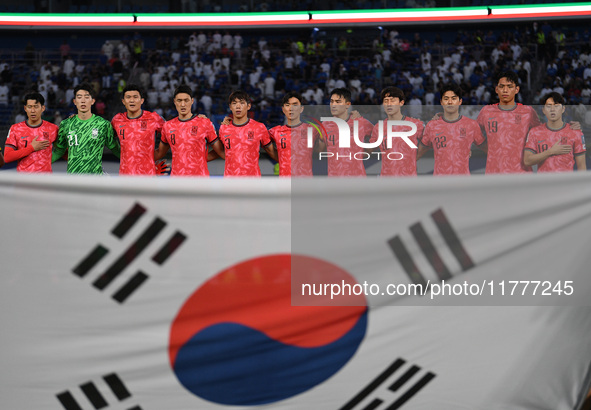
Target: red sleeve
{"type": "Point", "coordinates": [367, 129]}
{"type": "Point", "coordinates": [375, 131]}
{"type": "Point", "coordinates": [579, 144]}
{"type": "Point", "coordinates": [265, 136]}
{"type": "Point", "coordinates": [530, 143]}
{"type": "Point", "coordinates": [426, 137]}
{"type": "Point", "coordinates": [163, 136]}
{"type": "Point", "coordinates": [535, 120]}
{"type": "Point", "coordinates": [420, 129]}
{"type": "Point", "coordinates": [160, 123]}
{"type": "Point", "coordinates": [14, 155]}
{"type": "Point", "coordinates": [481, 120]}
{"type": "Point", "coordinates": [478, 137]}
{"type": "Point", "coordinates": [212, 134]}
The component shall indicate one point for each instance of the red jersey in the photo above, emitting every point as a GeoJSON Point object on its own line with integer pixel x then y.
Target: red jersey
{"type": "Point", "coordinates": [451, 142]}
{"type": "Point", "coordinates": [346, 162]}
{"type": "Point", "coordinates": [400, 159]}
{"type": "Point", "coordinates": [137, 139]}
{"type": "Point", "coordinates": [295, 158]}
{"type": "Point", "coordinates": [541, 138]}
{"type": "Point", "coordinates": [20, 136]}
{"type": "Point", "coordinates": [505, 132]}
{"type": "Point", "coordinates": [188, 141]}
{"type": "Point", "coordinates": [242, 145]}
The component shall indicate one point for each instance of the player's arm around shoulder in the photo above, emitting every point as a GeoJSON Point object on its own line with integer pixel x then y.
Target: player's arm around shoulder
{"type": "Point", "coordinates": [267, 142]}
{"type": "Point", "coordinates": [215, 143]}
{"type": "Point", "coordinates": [424, 141]}
{"type": "Point", "coordinates": [112, 141]}
{"type": "Point", "coordinates": [164, 144]}
{"type": "Point", "coordinates": [478, 136]}
{"type": "Point", "coordinates": [365, 131]}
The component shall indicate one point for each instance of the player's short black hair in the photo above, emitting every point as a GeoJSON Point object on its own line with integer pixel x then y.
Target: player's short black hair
{"type": "Point", "coordinates": [453, 87]}
{"type": "Point", "coordinates": [342, 92]}
{"type": "Point", "coordinates": [84, 87]}
{"type": "Point", "coordinates": [35, 96]}
{"type": "Point", "coordinates": [183, 89]}
{"type": "Point", "coordinates": [393, 92]}
{"type": "Point", "coordinates": [289, 95]}
{"type": "Point", "coordinates": [511, 76]}
{"type": "Point", "coordinates": [239, 95]}
{"type": "Point", "coordinates": [133, 87]}
{"type": "Point", "coordinates": [556, 97]}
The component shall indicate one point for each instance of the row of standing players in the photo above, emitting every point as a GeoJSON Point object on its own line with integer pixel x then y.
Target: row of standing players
{"type": "Point", "coordinates": [510, 133]}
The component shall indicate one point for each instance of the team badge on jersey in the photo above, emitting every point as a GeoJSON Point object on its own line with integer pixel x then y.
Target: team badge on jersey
{"type": "Point", "coordinates": [194, 129]}
{"type": "Point", "coordinates": [563, 140]}
{"type": "Point", "coordinates": [518, 119]}
{"type": "Point", "coordinates": [250, 135]}
{"type": "Point", "coordinates": [46, 135]}
{"type": "Point", "coordinates": [462, 133]}
{"type": "Point", "coordinates": [94, 133]}
{"type": "Point", "coordinates": [144, 125]}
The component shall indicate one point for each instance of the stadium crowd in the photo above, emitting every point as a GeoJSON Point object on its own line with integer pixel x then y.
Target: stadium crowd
{"type": "Point", "coordinates": [216, 62]}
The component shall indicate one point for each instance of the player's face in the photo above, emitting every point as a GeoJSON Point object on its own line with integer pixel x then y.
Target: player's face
{"type": "Point", "coordinates": [83, 101]}
{"type": "Point", "coordinates": [292, 109]}
{"type": "Point", "coordinates": [239, 109]}
{"type": "Point", "coordinates": [34, 109]}
{"type": "Point", "coordinates": [132, 100]}
{"type": "Point", "coordinates": [339, 106]}
{"type": "Point", "coordinates": [553, 111]}
{"type": "Point", "coordinates": [183, 103]}
{"type": "Point", "coordinates": [392, 105]}
{"type": "Point", "coordinates": [506, 90]}
{"type": "Point", "coordinates": [450, 102]}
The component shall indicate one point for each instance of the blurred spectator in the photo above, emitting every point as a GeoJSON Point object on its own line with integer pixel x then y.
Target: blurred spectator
{"type": "Point", "coordinates": [65, 50]}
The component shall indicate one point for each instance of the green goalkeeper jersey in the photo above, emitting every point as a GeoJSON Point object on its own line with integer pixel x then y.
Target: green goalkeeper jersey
{"type": "Point", "coordinates": [84, 141]}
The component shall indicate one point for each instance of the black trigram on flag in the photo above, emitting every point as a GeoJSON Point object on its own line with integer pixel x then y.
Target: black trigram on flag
{"type": "Point", "coordinates": [93, 395]}
{"type": "Point", "coordinates": [397, 385]}
{"type": "Point", "coordinates": [428, 249]}
{"type": "Point", "coordinates": [130, 254]}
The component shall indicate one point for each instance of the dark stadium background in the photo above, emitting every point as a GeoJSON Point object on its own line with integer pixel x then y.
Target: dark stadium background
{"type": "Point", "coordinates": [25, 50]}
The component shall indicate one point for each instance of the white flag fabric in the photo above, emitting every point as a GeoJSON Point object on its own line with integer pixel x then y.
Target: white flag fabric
{"type": "Point", "coordinates": [141, 293]}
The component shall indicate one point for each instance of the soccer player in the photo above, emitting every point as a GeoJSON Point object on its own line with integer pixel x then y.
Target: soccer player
{"type": "Point", "coordinates": [188, 136]}
{"type": "Point", "coordinates": [243, 138]}
{"type": "Point", "coordinates": [291, 139]}
{"type": "Point", "coordinates": [555, 146]}
{"type": "Point", "coordinates": [451, 136]}
{"type": "Point", "coordinates": [84, 135]}
{"type": "Point", "coordinates": [29, 142]}
{"type": "Point", "coordinates": [137, 130]}
{"type": "Point", "coordinates": [505, 126]}
{"type": "Point", "coordinates": [343, 161]}
{"type": "Point", "coordinates": [400, 159]}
